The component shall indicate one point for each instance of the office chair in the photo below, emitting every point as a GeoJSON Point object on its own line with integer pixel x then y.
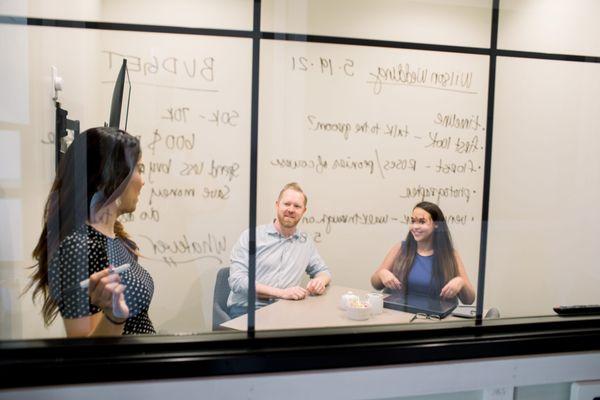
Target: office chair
{"type": "Point", "coordinates": [492, 313]}
{"type": "Point", "coordinates": [220, 311]}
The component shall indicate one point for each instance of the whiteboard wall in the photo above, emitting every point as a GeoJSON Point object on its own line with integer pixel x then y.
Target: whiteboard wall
{"type": "Point", "coordinates": [190, 106]}
{"type": "Point", "coordinates": [368, 133]}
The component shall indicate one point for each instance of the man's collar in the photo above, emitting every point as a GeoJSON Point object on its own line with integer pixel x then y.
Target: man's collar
{"type": "Point", "coordinates": [271, 230]}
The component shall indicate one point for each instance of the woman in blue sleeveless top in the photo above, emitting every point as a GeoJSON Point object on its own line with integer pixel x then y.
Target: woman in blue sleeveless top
{"type": "Point", "coordinates": [425, 261]}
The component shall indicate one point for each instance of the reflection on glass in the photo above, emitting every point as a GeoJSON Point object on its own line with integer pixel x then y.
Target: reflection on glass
{"type": "Point", "coordinates": [87, 265]}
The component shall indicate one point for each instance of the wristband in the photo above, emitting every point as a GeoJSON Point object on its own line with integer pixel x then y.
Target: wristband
{"type": "Point", "coordinates": [113, 321]}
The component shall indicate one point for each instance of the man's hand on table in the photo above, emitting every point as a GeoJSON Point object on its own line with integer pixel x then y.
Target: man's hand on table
{"type": "Point", "coordinates": [315, 286]}
{"type": "Point", "coordinates": [293, 293]}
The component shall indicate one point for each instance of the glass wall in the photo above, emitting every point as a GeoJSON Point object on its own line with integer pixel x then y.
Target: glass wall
{"type": "Point", "coordinates": [369, 108]}
{"type": "Point", "coordinates": [189, 106]}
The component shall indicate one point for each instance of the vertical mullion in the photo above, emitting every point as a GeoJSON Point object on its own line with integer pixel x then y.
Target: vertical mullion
{"type": "Point", "coordinates": [488, 161]}
{"type": "Point", "coordinates": [253, 170]}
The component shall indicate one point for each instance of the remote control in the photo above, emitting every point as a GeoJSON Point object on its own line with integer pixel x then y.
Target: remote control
{"type": "Point", "coordinates": [580, 309]}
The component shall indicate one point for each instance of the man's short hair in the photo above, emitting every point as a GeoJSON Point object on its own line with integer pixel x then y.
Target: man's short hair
{"type": "Point", "coordinates": [295, 187]}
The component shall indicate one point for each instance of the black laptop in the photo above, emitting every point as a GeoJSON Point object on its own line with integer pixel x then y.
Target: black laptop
{"type": "Point", "coordinates": [420, 303]}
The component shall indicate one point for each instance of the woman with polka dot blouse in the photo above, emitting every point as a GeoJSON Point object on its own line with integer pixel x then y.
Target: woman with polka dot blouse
{"type": "Point", "coordinates": [98, 179]}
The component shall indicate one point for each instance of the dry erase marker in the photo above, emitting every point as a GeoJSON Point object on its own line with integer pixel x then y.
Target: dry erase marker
{"type": "Point", "coordinates": [84, 284]}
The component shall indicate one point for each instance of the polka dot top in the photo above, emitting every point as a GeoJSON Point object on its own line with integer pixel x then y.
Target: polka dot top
{"type": "Point", "coordinates": [85, 252]}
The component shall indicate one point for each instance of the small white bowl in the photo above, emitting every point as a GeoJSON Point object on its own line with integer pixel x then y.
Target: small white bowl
{"type": "Point", "coordinates": [359, 313]}
{"type": "Point", "coordinates": [348, 299]}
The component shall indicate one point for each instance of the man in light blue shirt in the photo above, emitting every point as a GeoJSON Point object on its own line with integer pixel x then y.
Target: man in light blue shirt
{"type": "Point", "coordinates": [283, 255]}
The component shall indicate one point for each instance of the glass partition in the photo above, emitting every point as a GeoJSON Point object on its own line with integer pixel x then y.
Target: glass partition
{"type": "Point", "coordinates": [212, 14]}
{"type": "Point", "coordinates": [371, 109]}
{"type": "Point", "coordinates": [543, 219]}
{"type": "Point", "coordinates": [453, 23]}
{"type": "Point", "coordinates": [189, 107]}
{"type": "Point", "coordinates": [549, 26]}
{"type": "Point", "coordinates": [368, 133]}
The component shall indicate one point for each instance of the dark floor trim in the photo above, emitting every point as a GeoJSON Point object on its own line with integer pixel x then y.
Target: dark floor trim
{"type": "Point", "coordinates": [60, 362]}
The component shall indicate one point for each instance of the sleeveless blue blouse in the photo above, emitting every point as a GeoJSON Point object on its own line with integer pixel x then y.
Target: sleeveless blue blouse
{"type": "Point", "coordinates": [420, 277]}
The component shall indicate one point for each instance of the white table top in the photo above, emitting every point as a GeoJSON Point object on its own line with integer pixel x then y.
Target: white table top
{"type": "Point", "coordinates": [318, 312]}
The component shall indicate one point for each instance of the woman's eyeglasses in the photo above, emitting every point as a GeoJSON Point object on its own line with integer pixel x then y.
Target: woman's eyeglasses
{"type": "Point", "coordinates": [424, 316]}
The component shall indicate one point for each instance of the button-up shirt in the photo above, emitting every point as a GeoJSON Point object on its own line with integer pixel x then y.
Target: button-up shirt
{"type": "Point", "coordinates": [280, 262]}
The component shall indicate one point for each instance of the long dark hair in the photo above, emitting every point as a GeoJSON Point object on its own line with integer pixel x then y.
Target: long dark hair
{"type": "Point", "coordinates": [93, 173]}
{"type": "Point", "coordinates": [444, 261]}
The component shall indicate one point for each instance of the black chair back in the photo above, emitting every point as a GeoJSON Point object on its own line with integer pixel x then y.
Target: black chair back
{"type": "Point", "coordinates": [221, 293]}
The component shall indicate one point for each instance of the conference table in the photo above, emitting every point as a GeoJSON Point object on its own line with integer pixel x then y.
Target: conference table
{"type": "Point", "coordinates": [320, 312]}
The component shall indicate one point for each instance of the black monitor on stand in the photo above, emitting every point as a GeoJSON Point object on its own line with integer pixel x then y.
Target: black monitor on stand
{"type": "Point", "coordinates": [116, 104]}
{"type": "Point", "coordinates": [63, 124]}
